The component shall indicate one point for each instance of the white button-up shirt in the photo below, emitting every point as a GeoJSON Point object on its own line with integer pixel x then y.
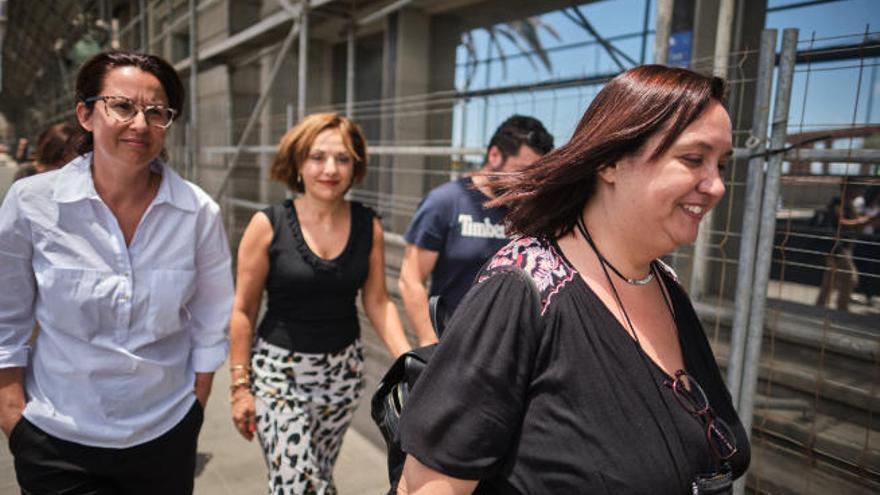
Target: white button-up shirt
{"type": "Point", "coordinates": [123, 329]}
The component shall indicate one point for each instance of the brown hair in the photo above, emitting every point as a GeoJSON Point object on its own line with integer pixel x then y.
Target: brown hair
{"type": "Point", "coordinates": [91, 76]}
{"type": "Point", "coordinates": [297, 142]}
{"type": "Point", "coordinates": [54, 146]}
{"type": "Point", "coordinates": [547, 197]}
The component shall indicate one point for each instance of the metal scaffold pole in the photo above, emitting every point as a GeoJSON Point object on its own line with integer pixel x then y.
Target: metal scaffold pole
{"type": "Point", "coordinates": [193, 92]}
{"type": "Point", "coordinates": [302, 61]}
{"type": "Point", "coordinates": [258, 108]}
{"type": "Point", "coordinates": [663, 30]}
{"type": "Point", "coordinates": [700, 261]}
{"type": "Point", "coordinates": [754, 186]}
{"type": "Point", "coordinates": [349, 71]}
{"type": "Point", "coordinates": [144, 33]}
{"type": "Point", "coordinates": [767, 230]}
{"type": "Point", "coordinates": [722, 38]}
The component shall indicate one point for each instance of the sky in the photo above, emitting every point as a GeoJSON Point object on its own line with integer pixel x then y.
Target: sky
{"type": "Point", "coordinates": [824, 95]}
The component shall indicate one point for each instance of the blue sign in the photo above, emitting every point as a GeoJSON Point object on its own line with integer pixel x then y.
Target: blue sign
{"type": "Point", "coordinates": [679, 54]}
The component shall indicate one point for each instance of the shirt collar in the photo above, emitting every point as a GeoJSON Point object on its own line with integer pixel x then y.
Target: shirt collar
{"type": "Point", "coordinates": [75, 181]}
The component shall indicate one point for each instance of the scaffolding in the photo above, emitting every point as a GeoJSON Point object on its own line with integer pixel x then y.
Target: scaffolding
{"type": "Point", "coordinates": [750, 272]}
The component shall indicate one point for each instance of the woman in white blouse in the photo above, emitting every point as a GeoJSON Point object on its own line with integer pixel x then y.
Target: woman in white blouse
{"type": "Point", "coordinates": [126, 268]}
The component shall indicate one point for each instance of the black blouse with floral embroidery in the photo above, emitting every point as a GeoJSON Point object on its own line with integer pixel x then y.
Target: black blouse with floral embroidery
{"type": "Point", "coordinates": [536, 388]}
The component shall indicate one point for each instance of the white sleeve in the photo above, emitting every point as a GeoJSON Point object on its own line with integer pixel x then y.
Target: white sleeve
{"type": "Point", "coordinates": [17, 283]}
{"type": "Point", "coordinates": [211, 304]}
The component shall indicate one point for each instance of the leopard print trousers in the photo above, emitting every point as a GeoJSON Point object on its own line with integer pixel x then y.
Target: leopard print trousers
{"type": "Point", "coordinates": [304, 404]}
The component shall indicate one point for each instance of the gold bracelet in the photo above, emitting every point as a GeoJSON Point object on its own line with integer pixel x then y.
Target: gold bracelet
{"type": "Point", "coordinates": [245, 369]}
{"type": "Point", "coordinates": [240, 383]}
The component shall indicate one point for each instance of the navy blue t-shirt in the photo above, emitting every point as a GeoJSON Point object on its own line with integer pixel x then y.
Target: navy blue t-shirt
{"type": "Point", "coordinates": [451, 220]}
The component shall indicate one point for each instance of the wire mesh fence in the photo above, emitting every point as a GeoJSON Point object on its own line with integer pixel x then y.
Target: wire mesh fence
{"type": "Point", "coordinates": [816, 366]}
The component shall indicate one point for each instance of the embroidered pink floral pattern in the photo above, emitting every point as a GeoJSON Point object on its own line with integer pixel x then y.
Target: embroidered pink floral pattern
{"type": "Point", "coordinates": [539, 259]}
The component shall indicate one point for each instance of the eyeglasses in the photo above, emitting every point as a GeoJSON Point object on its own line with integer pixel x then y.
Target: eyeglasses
{"type": "Point", "coordinates": [718, 433]}
{"type": "Point", "coordinates": [124, 110]}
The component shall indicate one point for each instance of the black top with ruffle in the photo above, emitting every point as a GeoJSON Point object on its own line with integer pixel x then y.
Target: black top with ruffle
{"type": "Point", "coordinates": [311, 300]}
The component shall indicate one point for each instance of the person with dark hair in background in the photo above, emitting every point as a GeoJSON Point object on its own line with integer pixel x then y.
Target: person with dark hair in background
{"type": "Point", "coordinates": [576, 363]}
{"type": "Point", "coordinates": [126, 268]}
{"type": "Point", "coordinates": [312, 255]}
{"type": "Point", "coordinates": [55, 147]}
{"type": "Point", "coordinates": [452, 233]}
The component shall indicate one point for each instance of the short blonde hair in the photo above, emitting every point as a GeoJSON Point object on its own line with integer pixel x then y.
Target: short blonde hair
{"type": "Point", "coordinates": [295, 145]}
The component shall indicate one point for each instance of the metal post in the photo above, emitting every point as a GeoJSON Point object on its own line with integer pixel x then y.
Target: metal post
{"type": "Point", "coordinates": [767, 230]}
{"type": "Point", "coordinates": [193, 91]}
{"type": "Point", "coordinates": [722, 38]}
{"type": "Point", "coordinates": [187, 143]}
{"type": "Point", "coordinates": [302, 61]}
{"type": "Point", "coordinates": [288, 118]}
{"type": "Point", "coordinates": [644, 49]}
{"type": "Point", "coordinates": [145, 43]}
{"type": "Point", "coordinates": [258, 108]}
{"type": "Point", "coordinates": [349, 72]}
{"type": "Point", "coordinates": [700, 262]}
{"type": "Point", "coordinates": [754, 186]}
{"type": "Point", "coordinates": [663, 30]}
{"type": "Point", "coordinates": [768, 225]}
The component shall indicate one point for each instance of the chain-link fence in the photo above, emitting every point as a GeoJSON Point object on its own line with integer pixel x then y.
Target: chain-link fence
{"type": "Point", "coordinates": [786, 279]}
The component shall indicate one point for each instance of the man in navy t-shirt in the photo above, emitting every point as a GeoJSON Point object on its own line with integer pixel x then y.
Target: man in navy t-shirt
{"type": "Point", "coordinates": [452, 235]}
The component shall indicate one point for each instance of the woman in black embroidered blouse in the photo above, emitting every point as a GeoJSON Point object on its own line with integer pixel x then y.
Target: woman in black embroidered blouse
{"type": "Point", "coordinates": [576, 364]}
{"type": "Point", "coordinates": [297, 386]}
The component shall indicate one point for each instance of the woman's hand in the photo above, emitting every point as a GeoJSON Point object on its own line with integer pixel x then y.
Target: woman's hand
{"type": "Point", "coordinates": [12, 399]}
{"type": "Point", "coordinates": [244, 412]}
{"type": "Point", "coordinates": [203, 387]}
{"type": "Point", "coordinates": [9, 418]}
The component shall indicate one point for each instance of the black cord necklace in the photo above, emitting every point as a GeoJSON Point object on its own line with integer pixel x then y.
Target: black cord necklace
{"type": "Point", "coordinates": [632, 281]}
{"type": "Point", "coordinates": [635, 340]}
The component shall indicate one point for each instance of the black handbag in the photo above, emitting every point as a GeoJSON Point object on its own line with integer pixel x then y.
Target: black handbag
{"type": "Point", "coordinates": [390, 398]}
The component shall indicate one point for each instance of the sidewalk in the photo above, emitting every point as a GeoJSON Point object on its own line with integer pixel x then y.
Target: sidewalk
{"type": "Point", "coordinates": [235, 467]}
{"type": "Point", "coordinates": [228, 465]}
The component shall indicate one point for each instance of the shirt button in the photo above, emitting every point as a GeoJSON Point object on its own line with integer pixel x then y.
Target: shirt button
{"type": "Point", "coordinates": [124, 297]}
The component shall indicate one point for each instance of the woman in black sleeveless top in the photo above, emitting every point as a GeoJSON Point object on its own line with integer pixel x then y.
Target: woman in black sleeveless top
{"type": "Point", "coordinates": [298, 385]}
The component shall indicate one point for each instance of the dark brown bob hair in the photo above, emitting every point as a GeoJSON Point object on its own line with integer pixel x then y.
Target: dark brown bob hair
{"type": "Point", "coordinates": [547, 197]}
{"type": "Point", "coordinates": [297, 142]}
{"type": "Point", "coordinates": [91, 76]}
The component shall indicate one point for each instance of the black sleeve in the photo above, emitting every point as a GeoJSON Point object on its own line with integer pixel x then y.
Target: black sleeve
{"type": "Point", "coordinates": [466, 409]}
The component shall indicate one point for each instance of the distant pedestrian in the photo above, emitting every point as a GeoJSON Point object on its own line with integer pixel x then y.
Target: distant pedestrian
{"type": "Point", "coordinates": [55, 147]}
{"type": "Point", "coordinates": [840, 271]}
{"type": "Point", "coordinates": [297, 383]}
{"type": "Point", "coordinates": [126, 268]}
